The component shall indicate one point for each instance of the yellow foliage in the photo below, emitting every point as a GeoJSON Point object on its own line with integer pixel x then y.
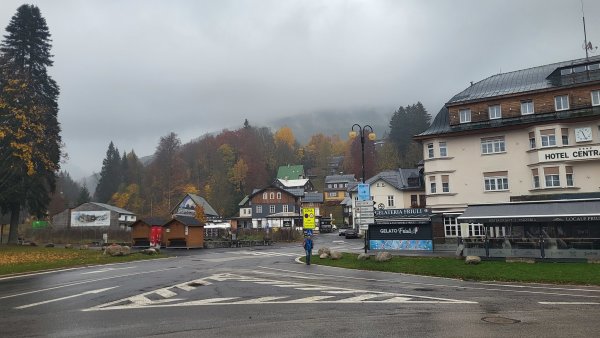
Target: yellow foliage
{"type": "Point", "coordinates": [189, 188]}
{"type": "Point", "coordinates": [285, 135]}
{"type": "Point", "coordinates": [200, 215]}
{"type": "Point", "coordinates": [238, 173]}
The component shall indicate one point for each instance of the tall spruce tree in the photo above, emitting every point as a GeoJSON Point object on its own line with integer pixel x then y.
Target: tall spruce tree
{"type": "Point", "coordinates": [110, 175]}
{"type": "Point", "coordinates": [404, 124]}
{"type": "Point", "coordinates": [29, 130]}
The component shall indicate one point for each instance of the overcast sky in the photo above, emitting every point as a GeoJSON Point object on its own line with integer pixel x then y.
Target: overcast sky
{"type": "Point", "coordinates": [132, 71]}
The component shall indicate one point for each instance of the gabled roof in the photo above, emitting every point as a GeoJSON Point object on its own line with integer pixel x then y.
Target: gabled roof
{"type": "Point", "coordinates": [293, 183]}
{"type": "Point", "coordinates": [298, 192]}
{"type": "Point", "coordinates": [208, 209]}
{"type": "Point", "coordinates": [287, 191]}
{"type": "Point", "coordinates": [313, 197]}
{"type": "Point", "coordinates": [112, 208]}
{"type": "Point", "coordinates": [520, 81]}
{"type": "Point", "coordinates": [291, 172]}
{"type": "Point", "coordinates": [339, 178]}
{"type": "Point", "coordinates": [152, 221]}
{"type": "Point", "coordinates": [185, 220]}
{"type": "Point", "coordinates": [399, 179]}
{"type": "Point", "coordinates": [244, 201]}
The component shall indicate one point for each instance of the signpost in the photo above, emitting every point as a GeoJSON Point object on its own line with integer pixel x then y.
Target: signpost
{"type": "Point", "coordinates": [309, 218]}
{"type": "Point", "coordinates": [364, 192]}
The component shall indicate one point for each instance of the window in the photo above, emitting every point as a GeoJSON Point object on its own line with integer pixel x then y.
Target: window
{"type": "Point", "coordinates": [551, 177]}
{"type": "Point", "coordinates": [492, 145]}
{"type": "Point", "coordinates": [443, 149]}
{"type": "Point", "coordinates": [285, 208]}
{"type": "Point", "coordinates": [548, 138]}
{"type": "Point", "coordinates": [495, 112]}
{"type": "Point", "coordinates": [335, 185]}
{"type": "Point", "coordinates": [566, 71]}
{"type": "Point", "coordinates": [272, 195]}
{"type": "Point", "coordinates": [451, 226]}
{"type": "Point", "coordinates": [465, 115]}
{"type": "Point", "coordinates": [445, 183]}
{"type": "Point", "coordinates": [432, 184]}
{"type": "Point", "coordinates": [579, 69]}
{"type": "Point", "coordinates": [495, 181]}
{"type": "Point", "coordinates": [259, 209]}
{"type": "Point", "coordinates": [531, 140]}
{"type": "Point", "coordinates": [390, 201]}
{"type": "Point", "coordinates": [595, 97]}
{"type": "Point", "coordinates": [594, 66]}
{"type": "Point", "coordinates": [265, 196]}
{"type": "Point", "coordinates": [536, 178]}
{"type": "Point", "coordinates": [278, 195]}
{"type": "Point", "coordinates": [527, 107]}
{"type": "Point", "coordinates": [476, 230]}
{"type": "Point", "coordinates": [561, 102]}
{"type": "Point", "coordinates": [271, 209]}
{"type": "Point", "coordinates": [332, 194]}
{"type": "Point", "coordinates": [564, 132]}
{"type": "Point", "coordinates": [569, 171]}
{"type": "Point", "coordinates": [414, 202]}
{"type": "Point", "coordinates": [429, 150]}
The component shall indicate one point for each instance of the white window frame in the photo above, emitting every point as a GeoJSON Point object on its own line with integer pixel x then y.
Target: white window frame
{"type": "Point", "coordinates": [563, 100]}
{"type": "Point", "coordinates": [286, 208]}
{"type": "Point", "coordinates": [259, 209]}
{"type": "Point", "coordinates": [495, 112]}
{"type": "Point", "coordinates": [443, 149]}
{"type": "Point", "coordinates": [445, 186]}
{"type": "Point", "coordinates": [536, 181]}
{"type": "Point", "coordinates": [476, 230]}
{"type": "Point", "coordinates": [464, 115]}
{"type": "Point", "coordinates": [279, 195]}
{"type": "Point", "coordinates": [430, 153]}
{"type": "Point", "coordinates": [495, 183]}
{"type": "Point", "coordinates": [451, 227]}
{"type": "Point", "coordinates": [553, 179]}
{"type": "Point", "coordinates": [548, 140]}
{"type": "Point", "coordinates": [265, 195]}
{"type": "Point", "coordinates": [527, 104]}
{"type": "Point", "coordinates": [495, 145]}
{"type": "Point", "coordinates": [390, 200]}
{"type": "Point", "coordinates": [570, 181]}
{"type": "Point", "coordinates": [272, 196]}
{"type": "Point", "coordinates": [271, 209]}
{"type": "Point", "coordinates": [433, 187]}
{"type": "Point", "coordinates": [595, 97]}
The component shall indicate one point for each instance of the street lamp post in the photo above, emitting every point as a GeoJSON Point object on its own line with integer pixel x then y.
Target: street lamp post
{"type": "Point", "coordinates": [360, 131]}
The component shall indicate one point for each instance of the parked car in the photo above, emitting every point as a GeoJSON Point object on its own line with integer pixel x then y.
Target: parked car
{"type": "Point", "coordinates": [342, 231]}
{"type": "Point", "coordinates": [351, 233]}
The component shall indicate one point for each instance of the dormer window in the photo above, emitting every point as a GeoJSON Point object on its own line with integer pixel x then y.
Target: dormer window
{"type": "Point", "coordinates": [465, 115]}
{"type": "Point", "coordinates": [495, 112]}
{"type": "Point", "coordinates": [561, 102]}
{"type": "Point", "coordinates": [579, 69]}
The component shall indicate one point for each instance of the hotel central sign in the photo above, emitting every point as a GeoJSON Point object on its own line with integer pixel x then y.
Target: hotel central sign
{"type": "Point", "coordinates": [569, 154]}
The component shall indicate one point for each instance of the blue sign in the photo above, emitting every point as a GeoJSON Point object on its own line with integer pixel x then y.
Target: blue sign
{"type": "Point", "coordinates": [308, 232]}
{"type": "Point", "coordinates": [364, 192]}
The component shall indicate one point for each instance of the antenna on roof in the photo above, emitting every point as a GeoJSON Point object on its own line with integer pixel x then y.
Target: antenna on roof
{"type": "Point", "coordinates": [586, 45]}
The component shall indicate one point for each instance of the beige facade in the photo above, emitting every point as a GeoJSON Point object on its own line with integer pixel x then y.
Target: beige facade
{"type": "Point", "coordinates": [506, 160]}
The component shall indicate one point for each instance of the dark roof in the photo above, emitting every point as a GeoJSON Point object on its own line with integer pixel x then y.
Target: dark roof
{"type": "Point", "coordinates": [152, 221]}
{"type": "Point", "coordinates": [208, 209]}
{"type": "Point", "coordinates": [396, 178]}
{"type": "Point", "coordinates": [186, 220]}
{"type": "Point", "coordinates": [520, 81]}
{"type": "Point", "coordinates": [532, 211]}
{"type": "Point", "coordinates": [440, 124]}
{"type": "Point", "coordinates": [298, 192]}
{"type": "Point", "coordinates": [339, 178]}
{"type": "Point", "coordinates": [313, 197]}
{"type": "Point", "coordinates": [112, 208]}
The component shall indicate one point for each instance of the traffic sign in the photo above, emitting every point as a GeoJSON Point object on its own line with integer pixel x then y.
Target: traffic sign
{"type": "Point", "coordinates": [364, 192]}
{"type": "Point", "coordinates": [368, 203]}
{"type": "Point", "coordinates": [309, 218]}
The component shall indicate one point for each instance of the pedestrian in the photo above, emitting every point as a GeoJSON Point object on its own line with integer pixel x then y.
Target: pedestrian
{"type": "Point", "coordinates": [308, 246]}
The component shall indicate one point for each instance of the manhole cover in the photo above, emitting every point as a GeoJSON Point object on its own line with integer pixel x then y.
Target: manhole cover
{"type": "Point", "coordinates": [196, 284]}
{"type": "Point", "coordinates": [500, 320]}
{"type": "Point", "coordinates": [423, 289]}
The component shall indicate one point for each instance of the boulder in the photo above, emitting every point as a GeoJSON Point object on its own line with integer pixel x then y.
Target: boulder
{"type": "Point", "coordinates": [593, 260]}
{"type": "Point", "coordinates": [114, 250]}
{"type": "Point", "coordinates": [68, 246]}
{"type": "Point", "coordinates": [150, 251]}
{"type": "Point", "coordinates": [324, 250]}
{"type": "Point", "coordinates": [323, 256]}
{"type": "Point", "coordinates": [335, 255]}
{"type": "Point", "coordinates": [363, 257]}
{"type": "Point", "coordinates": [125, 250]}
{"type": "Point", "coordinates": [472, 260]}
{"type": "Point", "coordinates": [84, 247]}
{"type": "Point", "coordinates": [383, 256]}
{"type": "Point", "coordinates": [50, 245]}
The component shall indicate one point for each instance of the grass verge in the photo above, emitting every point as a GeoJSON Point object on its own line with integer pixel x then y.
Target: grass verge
{"type": "Point", "coordinates": [555, 273]}
{"type": "Point", "coordinates": [19, 259]}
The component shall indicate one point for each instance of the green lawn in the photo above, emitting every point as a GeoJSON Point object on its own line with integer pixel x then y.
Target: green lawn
{"type": "Point", "coordinates": [18, 259]}
{"type": "Point", "coordinates": [556, 273]}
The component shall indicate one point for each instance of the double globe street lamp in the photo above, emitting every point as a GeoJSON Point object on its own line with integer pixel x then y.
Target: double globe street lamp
{"type": "Point", "coordinates": [361, 131]}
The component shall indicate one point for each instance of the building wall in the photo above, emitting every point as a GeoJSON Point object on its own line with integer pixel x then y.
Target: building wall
{"type": "Point", "coordinates": [140, 230]}
{"type": "Point", "coordinates": [176, 230]}
{"type": "Point", "coordinates": [465, 165]}
{"type": "Point", "coordinates": [195, 237]}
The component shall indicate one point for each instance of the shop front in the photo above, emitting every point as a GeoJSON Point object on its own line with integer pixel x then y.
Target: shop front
{"type": "Point", "coordinates": [544, 229]}
{"type": "Point", "coordinates": [401, 229]}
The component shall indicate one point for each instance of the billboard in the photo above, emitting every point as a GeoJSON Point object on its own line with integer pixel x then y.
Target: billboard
{"type": "Point", "coordinates": [187, 207]}
{"type": "Point", "coordinates": [90, 218]}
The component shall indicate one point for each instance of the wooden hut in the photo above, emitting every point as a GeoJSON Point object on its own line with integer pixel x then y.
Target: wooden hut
{"type": "Point", "coordinates": [183, 232]}
{"type": "Point", "coordinates": [142, 232]}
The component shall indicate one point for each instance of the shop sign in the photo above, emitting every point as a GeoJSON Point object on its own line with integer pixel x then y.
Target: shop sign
{"type": "Point", "coordinates": [569, 154]}
{"type": "Point", "coordinates": [403, 213]}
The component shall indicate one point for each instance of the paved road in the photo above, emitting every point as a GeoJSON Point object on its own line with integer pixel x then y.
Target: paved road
{"type": "Point", "coordinates": [264, 292]}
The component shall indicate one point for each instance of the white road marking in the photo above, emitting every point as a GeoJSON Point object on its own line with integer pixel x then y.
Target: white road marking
{"type": "Point", "coordinates": [63, 298]}
{"type": "Point", "coordinates": [569, 303]}
{"type": "Point", "coordinates": [360, 298]}
{"type": "Point", "coordinates": [260, 300]}
{"type": "Point", "coordinates": [166, 293]}
{"type": "Point", "coordinates": [86, 282]}
{"type": "Point", "coordinates": [297, 274]}
{"type": "Point", "coordinates": [107, 269]}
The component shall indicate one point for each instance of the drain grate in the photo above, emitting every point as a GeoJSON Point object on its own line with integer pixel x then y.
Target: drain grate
{"type": "Point", "coordinates": [500, 320]}
{"type": "Point", "coordinates": [194, 284]}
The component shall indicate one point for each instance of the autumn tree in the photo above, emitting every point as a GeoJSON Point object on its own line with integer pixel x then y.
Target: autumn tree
{"type": "Point", "coordinates": [285, 146]}
{"type": "Point", "coordinates": [200, 214]}
{"type": "Point", "coordinates": [29, 130]}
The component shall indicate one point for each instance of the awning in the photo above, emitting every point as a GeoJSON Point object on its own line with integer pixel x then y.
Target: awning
{"type": "Point", "coordinates": [553, 211]}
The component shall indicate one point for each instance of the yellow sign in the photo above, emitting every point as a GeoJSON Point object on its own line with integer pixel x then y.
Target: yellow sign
{"type": "Point", "coordinates": [309, 218]}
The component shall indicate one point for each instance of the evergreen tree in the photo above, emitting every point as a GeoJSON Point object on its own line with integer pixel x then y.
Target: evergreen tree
{"type": "Point", "coordinates": [29, 130]}
{"type": "Point", "coordinates": [84, 195]}
{"type": "Point", "coordinates": [110, 175]}
{"type": "Point", "coordinates": [404, 124]}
